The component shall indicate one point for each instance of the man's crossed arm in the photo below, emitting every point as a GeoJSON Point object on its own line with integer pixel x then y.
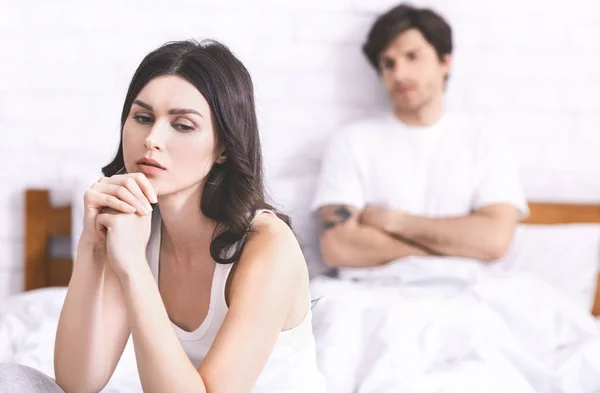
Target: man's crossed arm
{"type": "Point", "coordinates": [377, 235]}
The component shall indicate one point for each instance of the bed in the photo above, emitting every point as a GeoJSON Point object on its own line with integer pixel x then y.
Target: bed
{"type": "Point", "coordinates": [28, 320]}
{"type": "Point", "coordinates": [523, 324]}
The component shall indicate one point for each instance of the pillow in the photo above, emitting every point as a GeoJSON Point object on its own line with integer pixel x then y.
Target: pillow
{"type": "Point", "coordinates": [567, 256]}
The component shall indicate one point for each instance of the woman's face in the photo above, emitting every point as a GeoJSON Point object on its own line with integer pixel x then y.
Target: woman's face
{"type": "Point", "coordinates": [169, 135]}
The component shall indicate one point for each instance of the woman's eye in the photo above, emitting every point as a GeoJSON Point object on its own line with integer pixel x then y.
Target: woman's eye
{"type": "Point", "coordinates": [183, 127]}
{"type": "Point", "coordinates": [142, 119]}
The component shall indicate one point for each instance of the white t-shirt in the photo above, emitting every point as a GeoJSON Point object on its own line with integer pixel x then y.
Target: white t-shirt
{"type": "Point", "coordinates": [448, 169]}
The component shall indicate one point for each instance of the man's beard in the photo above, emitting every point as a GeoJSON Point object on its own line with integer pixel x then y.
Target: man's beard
{"type": "Point", "coordinates": [421, 102]}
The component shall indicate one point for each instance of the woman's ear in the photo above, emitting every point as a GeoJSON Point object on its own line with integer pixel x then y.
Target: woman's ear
{"type": "Point", "coordinates": [221, 159]}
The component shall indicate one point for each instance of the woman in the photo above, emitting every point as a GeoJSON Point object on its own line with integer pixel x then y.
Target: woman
{"type": "Point", "coordinates": [180, 249]}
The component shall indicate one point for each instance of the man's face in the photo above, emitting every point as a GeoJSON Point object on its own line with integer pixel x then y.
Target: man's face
{"type": "Point", "coordinates": [411, 71]}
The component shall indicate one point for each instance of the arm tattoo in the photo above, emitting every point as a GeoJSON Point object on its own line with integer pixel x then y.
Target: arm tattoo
{"type": "Point", "coordinates": [342, 214]}
{"type": "Point", "coordinates": [328, 225]}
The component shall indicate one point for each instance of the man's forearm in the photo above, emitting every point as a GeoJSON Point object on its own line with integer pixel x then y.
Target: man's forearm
{"type": "Point", "coordinates": [364, 246]}
{"type": "Point", "coordinates": [475, 236]}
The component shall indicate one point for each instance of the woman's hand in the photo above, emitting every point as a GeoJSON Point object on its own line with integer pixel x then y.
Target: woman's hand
{"type": "Point", "coordinates": [126, 239]}
{"type": "Point", "coordinates": [129, 193]}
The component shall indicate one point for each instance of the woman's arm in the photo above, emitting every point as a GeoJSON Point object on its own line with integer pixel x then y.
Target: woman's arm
{"type": "Point", "coordinates": [267, 280]}
{"type": "Point", "coordinates": [268, 293]}
{"type": "Point", "coordinates": [92, 329]}
{"type": "Point", "coordinates": [162, 362]}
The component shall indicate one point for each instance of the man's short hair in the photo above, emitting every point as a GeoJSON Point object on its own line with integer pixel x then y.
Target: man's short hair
{"type": "Point", "coordinates": [402, 18]}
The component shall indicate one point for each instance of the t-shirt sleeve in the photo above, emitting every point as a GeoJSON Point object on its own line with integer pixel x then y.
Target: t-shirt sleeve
{"type": "Point", "coordinates": [340, 181]}
{"type": "Point", "coordinates": [498, 180]}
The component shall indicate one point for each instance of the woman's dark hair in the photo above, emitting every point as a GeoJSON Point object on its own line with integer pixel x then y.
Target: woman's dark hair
{"type": "Point", "coordinates": [402, 18]}
{"type": "Point", "coordinates": [233, 190]}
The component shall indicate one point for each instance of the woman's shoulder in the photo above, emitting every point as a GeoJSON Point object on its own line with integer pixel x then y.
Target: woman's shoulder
{"type": "Point", "coordinates": [272, 260]}
{"type": "Point", "coordinates": [273, 243]}
{"type": "Point", "coordinates": [266, 221]}
{"type": "Point", "coordinates": [271, 233]}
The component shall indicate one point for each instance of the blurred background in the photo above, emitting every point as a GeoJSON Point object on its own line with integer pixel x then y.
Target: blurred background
{"type": "Point", "coordinates": [530, 69]}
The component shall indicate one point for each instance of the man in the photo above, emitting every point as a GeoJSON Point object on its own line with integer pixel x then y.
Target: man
{"type": "Point", "coordinates": [413, 204]}
{"type": "Point", "coordinates": [417, 182]}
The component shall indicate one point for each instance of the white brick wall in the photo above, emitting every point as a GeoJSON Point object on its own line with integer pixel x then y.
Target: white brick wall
{"type": "Point", "coordinates": [531, 68]}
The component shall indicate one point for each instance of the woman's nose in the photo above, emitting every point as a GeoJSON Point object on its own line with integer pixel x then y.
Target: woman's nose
{"type": "Point", "coordinates": [155, 138]}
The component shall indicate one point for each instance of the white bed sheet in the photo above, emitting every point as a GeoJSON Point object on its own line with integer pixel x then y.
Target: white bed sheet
{"type": "Point", "coordinates": [501, 333]}
{"type": "Point", "coordinates": [477, 331]}
{"type": "Point", "coordinates": [28, 324]}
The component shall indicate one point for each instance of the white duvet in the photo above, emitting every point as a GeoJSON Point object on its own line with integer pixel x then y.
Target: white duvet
{"type": "Point", "coordinates": [434, 329]}
{"type": "Point", "coordinates": [28, 324]}
{"type": "Point", "coordinates": [416, 327]}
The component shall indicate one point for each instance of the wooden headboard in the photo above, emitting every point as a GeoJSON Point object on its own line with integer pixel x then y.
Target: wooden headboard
{"type": "Point", "coordinates": [567, 213]}
{"type": "Point", "coordinates": [42, 221]}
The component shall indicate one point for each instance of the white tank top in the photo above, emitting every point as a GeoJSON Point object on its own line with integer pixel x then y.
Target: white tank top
{"type": "Point", "coordinates": [292, 365]}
